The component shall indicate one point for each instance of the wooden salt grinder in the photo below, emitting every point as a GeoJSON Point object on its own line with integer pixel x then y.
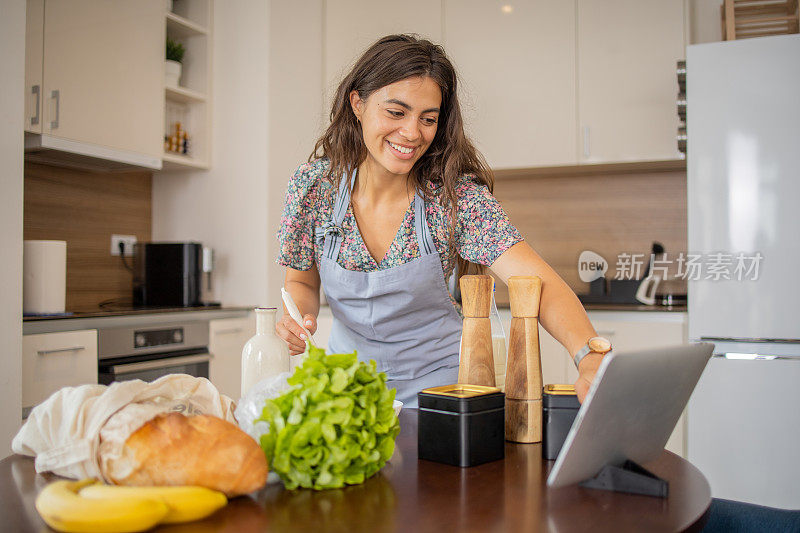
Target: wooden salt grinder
{"type": "Point", "coordinates": [524, 367]}
{"type": "Point", "coordinates": [476, 365]}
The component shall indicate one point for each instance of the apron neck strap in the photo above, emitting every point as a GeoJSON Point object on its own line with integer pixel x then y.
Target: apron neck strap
{"type": "Point", "coordinates": [333, 238]}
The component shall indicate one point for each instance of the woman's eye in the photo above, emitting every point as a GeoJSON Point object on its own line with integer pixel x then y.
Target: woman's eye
{"type": "Point", "coordinates": [429, 121]}
{"type": "Point", "coordinates": [395, 113]}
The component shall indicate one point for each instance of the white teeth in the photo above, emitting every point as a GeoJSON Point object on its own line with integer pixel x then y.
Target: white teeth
{"type": "Point", "coordinates": [401, 149]}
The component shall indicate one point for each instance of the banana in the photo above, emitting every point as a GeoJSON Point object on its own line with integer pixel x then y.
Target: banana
{"type": "Point", "coordinates": [185, 503]}
{"type": "Point", "coordinates": [64, 510]}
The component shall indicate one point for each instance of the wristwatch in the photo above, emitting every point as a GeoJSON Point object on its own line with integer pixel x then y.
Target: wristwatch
{"type": "Point", "coordinates": [599, 345]}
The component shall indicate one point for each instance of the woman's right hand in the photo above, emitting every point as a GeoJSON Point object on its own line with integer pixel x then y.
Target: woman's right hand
{"type": "Point", "coordinates": [291, 332]}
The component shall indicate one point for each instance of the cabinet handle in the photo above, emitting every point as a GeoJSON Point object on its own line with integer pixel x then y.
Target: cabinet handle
{"type": "Point", "coordinates": [56, 95]}
{"type": "Point", "coordinates": [586, 151]}
{"type": "Point", "coordinates": [228, 331]}
{"type": "Point", "coordinates": [37, 92]}
{"type": "Point", "coordinates": [159, 364]}
{"type": "Point", "coordinates": [59, 350]}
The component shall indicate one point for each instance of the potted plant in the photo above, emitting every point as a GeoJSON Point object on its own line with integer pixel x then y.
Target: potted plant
{"type": "Point", "coordinates": [172, 68]}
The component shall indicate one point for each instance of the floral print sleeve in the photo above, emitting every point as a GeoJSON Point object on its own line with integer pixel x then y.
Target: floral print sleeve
{"type": "Point", "coordinates": [484, 230]}
{"type": "Point", "coordinates": [296, 246]}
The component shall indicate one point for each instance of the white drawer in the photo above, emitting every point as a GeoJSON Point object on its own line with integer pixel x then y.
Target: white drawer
{"type": "Point", "coordinates": [51, 361]}
{"type": "Point", "coordinates": [227, 337]}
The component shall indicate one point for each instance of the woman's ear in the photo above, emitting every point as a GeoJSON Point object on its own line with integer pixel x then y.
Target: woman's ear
{"type": "Point", "coordinates": [357, 104]}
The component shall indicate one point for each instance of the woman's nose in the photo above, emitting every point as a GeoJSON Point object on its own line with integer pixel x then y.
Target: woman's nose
{"type": "Point", "coordinates": [410, 130]}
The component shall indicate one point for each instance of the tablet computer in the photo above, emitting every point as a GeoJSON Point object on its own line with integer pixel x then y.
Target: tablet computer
{"type": "Point", "coordinates": [630, 411]}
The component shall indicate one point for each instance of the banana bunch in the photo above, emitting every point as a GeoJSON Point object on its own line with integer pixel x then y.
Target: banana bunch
{"type": "Point", "coordinates": [91, 507]}
{"type": "Point", "coordinates": [185, 504]}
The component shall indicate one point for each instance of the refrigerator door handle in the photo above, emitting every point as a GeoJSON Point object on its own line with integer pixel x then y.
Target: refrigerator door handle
{"type": "Point", "coordinates": [753, 356]}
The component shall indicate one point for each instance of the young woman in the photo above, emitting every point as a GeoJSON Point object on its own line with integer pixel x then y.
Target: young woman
{"type": "Point", "coordinates": [395, 156]}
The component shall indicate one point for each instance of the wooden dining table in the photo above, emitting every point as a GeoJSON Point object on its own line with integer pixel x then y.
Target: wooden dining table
{"type": "Point", "coordinates": [415, 495]}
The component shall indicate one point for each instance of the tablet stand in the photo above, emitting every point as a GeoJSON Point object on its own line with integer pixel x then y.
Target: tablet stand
{"type": "Point", "coordinates": [629, 477]}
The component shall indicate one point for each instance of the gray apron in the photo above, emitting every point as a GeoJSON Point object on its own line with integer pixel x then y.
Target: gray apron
{"type": "Point", "coordinates": [402, 317]}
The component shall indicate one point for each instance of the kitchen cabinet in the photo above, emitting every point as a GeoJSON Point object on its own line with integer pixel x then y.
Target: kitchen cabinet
{"type": "Point", "coordinates": [635, 330]}
{"type": "Point", "coordinates": [353, 25]}
{"type": "Point", "coordinates": [627, 86]}
{"type": "Point", "coordinates": [324, 326]}
{"type": "Point", "coordinates": [565, 83]}
{"type": "Point", "coordinates": [517, 73]}
{"type": "Point", "coordinates": [51, 361]}
{"type": "Point", "coordinates": [226, 338]}
{"type": "Point", "coordinates": [644, 330]}
{"type": "Point", "coordinates": [34, 53]}
{"type": "Point", "coordinates": [99, 69]}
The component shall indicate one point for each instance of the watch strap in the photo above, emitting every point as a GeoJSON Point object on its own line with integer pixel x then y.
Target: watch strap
{"type": "Point", "coordinates": [583, 352]}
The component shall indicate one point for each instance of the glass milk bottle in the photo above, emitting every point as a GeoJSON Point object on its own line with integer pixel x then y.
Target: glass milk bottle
{"type": "Point", "coordinates": [498, 346]}
{"type": "Point", "coordinates": [265, 354]}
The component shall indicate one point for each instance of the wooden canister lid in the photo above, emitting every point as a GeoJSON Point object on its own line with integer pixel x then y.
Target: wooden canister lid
{"type": "Point", "coordinates": [525, 293]}
{"type": "Point", "coordinates": [476, 295]}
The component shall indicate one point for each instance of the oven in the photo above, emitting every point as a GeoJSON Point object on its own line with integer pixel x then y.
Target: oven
{"type": "Point", "coordinates": [149, 352]}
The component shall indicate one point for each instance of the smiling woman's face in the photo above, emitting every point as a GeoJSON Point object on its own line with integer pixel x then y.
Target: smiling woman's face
{"type": "Point", "coordinates": [399, 122]}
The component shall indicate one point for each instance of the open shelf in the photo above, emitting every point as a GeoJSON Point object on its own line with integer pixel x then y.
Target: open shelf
{"type": "Point", "coordinates": [174, 161]}
{"type": "Point", "coordinates": [182, 94]}
{"type": "Point", "coordinates": [189, 104]}
{"type": "Point", "coordinates": [180, 28]}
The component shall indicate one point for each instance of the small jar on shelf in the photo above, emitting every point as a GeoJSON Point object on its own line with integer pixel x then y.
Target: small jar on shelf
{"type": "Point", "coordinates": [178, 142]}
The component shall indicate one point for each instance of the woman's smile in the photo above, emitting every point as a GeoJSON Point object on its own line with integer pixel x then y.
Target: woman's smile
{"type": "Point", "coordinates": [402, 151]}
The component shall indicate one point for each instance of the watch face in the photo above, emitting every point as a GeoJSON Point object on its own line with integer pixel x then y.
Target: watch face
{"type": "Point", "coordinates": [599, 344]}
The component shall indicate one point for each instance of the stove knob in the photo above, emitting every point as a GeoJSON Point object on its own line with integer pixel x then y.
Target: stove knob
{"type": "Point", "coordinates": [177, 336]}
{"type": "Point", "coordinates": [140, 340]}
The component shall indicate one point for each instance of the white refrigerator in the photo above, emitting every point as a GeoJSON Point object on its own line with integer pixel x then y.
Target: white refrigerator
{"type": "Point", "coordinates": [743, 164]}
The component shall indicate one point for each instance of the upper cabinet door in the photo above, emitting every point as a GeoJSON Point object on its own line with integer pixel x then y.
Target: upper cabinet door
{"type": "Point", "coordinates": [351, 26]}
{"type": "Point", "coordinates": [627, 86]}
{"type": "Point", "coordinates": [517, 71]}
{"type": "Point", "coordinates": [34, 42]}
{"type": "Point", "coordinates": [104, 73]}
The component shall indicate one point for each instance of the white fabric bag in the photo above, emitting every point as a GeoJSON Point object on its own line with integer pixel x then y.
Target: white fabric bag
{"type": "Point", "coordinates": [78, 429]}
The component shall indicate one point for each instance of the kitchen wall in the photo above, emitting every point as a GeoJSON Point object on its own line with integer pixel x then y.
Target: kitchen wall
{"type": "Point", "coordinates": [295, 105]}
{"type": "Point", "coordinates": [565, 211]}
{"type": "Point", "coordinates": [85, 209]}
{"type": "Point", "coordinates": [12, 105]}
{"type": "Point", "coordinates": [704, 21]}
{"type": "Point", "coordinates": [271, 99]}
{"type": "Point", "coordinates": [230, 207]}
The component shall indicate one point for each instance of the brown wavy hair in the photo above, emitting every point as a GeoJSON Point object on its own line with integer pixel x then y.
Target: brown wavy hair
{"type": "Point", "coordinates": [451, 154]}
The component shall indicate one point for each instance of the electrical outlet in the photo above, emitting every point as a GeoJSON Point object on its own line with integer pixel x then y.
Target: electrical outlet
{"type": "Point", "coordinates": [127, 240]}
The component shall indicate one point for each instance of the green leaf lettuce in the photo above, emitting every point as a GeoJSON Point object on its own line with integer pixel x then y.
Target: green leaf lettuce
{"type": "Point", "coordinates": [335, 426]}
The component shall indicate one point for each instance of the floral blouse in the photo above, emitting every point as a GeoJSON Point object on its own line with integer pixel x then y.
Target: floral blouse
{"type": "Point", "coordinates": [482, 234]}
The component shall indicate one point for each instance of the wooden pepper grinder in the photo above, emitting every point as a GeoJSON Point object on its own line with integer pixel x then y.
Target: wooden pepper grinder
{"type": "Point", "coordinates": [476, 365]}
{"type": "Point", "coordinates": [524, 367]}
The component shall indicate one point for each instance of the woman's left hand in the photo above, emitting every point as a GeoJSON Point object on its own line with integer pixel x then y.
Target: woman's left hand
{"type": "Point", "coordinates": [587, 370]}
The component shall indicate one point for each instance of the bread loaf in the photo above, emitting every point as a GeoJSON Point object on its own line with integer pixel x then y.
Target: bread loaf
{"type": "Point", "coordinates": [173, 449]}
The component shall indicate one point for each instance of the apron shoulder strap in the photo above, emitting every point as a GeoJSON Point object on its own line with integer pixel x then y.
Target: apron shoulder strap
{"type": "Point", "coordinates": [332, 230]}
{"type": "Point", "coordinates": [421, 227]}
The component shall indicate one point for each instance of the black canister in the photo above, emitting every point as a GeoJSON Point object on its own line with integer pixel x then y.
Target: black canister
{"type": "Point", "coordinates": [461, 425]}
{"type": "Point", "coordinates": [560, 406]}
